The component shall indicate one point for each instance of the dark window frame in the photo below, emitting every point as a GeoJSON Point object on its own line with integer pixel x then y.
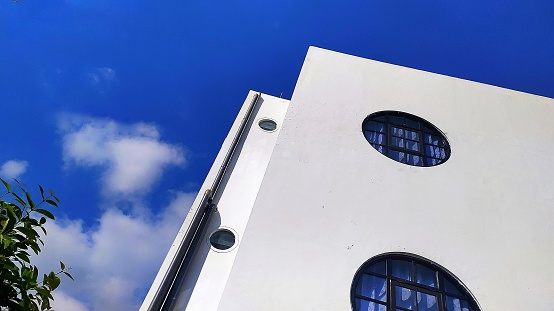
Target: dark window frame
{"type": "Point", "coordinates": [406, 122]}
{"type": "Point", "coordinates": [392, 282]}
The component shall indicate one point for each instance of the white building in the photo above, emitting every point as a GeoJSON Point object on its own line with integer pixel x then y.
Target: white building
{"type": "Point", "coordinates": [323, 220]}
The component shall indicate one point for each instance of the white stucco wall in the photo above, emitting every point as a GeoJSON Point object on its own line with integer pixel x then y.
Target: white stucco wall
{"type": "Point", "coordinates": [329, 201]}
{"type": "Point", "coordinates": [206, 278]}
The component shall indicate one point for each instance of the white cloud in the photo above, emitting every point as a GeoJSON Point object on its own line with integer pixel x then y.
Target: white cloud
{"type": "Point", "coordinates": [13, 169]}
{"type": "Point", "coordinates": [102, 79]}
{"type": "Point", "coordinates": [64, 302]}
{"type": "Point", "coordinates": [133, 156]}
{"type": "Point", "coordinates": [115, 263]}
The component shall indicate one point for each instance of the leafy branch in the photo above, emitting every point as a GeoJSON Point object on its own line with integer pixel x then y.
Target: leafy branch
{"type": "Point", "coordinates": [19, 220]}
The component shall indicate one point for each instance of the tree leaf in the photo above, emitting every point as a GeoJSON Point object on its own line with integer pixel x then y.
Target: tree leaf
{"type": "Point", "coordinates": [62, 265]}
{"type": "Point", "coordinates": [45, 213]}
{"type": "Point", "coordinates": [30, 233]}
{"type": "Point", "coordinates": [31, 203]}
{"type": "Point", "coordinates": [23, 257]}
{"type": "Point", "coordinates": [69, 275]}
{"type": "Point", "coordinates": [51, 202]}
{"type": "Point", "coordinates": [35, 247]}
{"type": "Point", "coordinates": [54, 282]}
{"type": "Point", "coordinates": [41, 191]}
{"type": "Point", "coordinates": [8, 187]}
{"type": "Point", "coordinates": [18, 199]}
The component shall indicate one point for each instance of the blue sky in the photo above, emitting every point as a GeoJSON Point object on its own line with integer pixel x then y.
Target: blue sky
{"type": "Point", "coordinates": [121, 106]}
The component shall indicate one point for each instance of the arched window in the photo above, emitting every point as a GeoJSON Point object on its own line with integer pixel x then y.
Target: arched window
{"type": "Point", "coordinates": [406, 138]}
{"type": "Point", "coordinates": [405, 282]}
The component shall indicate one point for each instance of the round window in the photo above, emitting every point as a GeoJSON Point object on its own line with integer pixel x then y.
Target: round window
{"type": "Point", "coordinates": [268, 125]}
{"type": "Point", "coordinates": [406, 138]}
{"type": "Point", "coordinates": [399, 281]}
{"type": "Point", "coordinates": [222, 239]}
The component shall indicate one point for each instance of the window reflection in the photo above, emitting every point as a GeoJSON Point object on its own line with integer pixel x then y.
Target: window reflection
{"type": "Point", "coordinates": [407, 284]}
{"type": "Point", "coordinates": [406, 138]}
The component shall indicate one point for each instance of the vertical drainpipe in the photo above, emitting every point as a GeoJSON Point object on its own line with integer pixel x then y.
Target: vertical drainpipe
{"type": "Point", "coordinates": [167, 291]}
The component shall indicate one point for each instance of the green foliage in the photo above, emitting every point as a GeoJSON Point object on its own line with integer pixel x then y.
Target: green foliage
{"type": "Point", "coordinates": [19, 221]}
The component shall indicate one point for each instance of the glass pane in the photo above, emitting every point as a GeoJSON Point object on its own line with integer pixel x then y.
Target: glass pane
{"type": "Point", "coordinates": [402, 269]}
{"type": "Point", "coordinates": [465, 305]}
{"type": "Point", "coordinates": [414, 160]}
{"type": "Point", "coordinates": [364, 305]}
{"type": "Point", "coordinates": [397, 132]}
{"type": "Point", "coordinates": [412, 145]}
{"type": "Point", "coordinates": [398, 156]}
{"type": "Point", "coordinates": [435, 152]}
{"type": "Point", "coordinates": [268, 125]}
{"type": "Point", "coordinates": [426, 302]}
{"type": "Point", "coordinates": [425, 276]}
{"type": "Point", "coordinates": [433, 161]}
{"type": "Point", "coordinates": [222, 239]}
{"type": "Point", "coordinates": [456, 304]}
{"type": "Point", "coordinates": [434, 140]}
{"type": "Point", "coordinates": [398, 142]}
{"type": "Point", "coordinates": [379, 148]}
{"type": "Point", "coordinates": [374, 126]}
{"type": "Point", "coordinates": [405, 298]}
{"type": "Point", "coordinates": [396, 120]}
{"type": "Point", "coordinates": [411, 123]}
{"type": "Point", "coordinates": [453, 304]}
{"type": "Point", "coordinates": [411, 135]}
{"type": "Point", "coordinates": [380, 268]}
{"type": "Point", "coordinates": [380, 118]}
{"type": "Point", "coordinates": [372, 287]}
{"type": "Point", "coordinates": [450, 288]}
{"type": "Point", "coordinates": [374, 137]}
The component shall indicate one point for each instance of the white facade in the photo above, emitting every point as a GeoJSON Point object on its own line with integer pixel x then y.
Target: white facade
{"type": "Point", "coordinates": [313, 200]}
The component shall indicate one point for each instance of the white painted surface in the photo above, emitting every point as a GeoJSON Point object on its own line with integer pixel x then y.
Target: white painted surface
{"type": "Point", "coordinates": [207, 276]}
{"type": "Point", "coordinates": [329, 201]}
{"type": "Point", "coordinates": [313, 201]}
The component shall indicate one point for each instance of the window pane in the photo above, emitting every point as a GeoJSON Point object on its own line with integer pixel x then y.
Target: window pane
{"type": "Point", "coordinates": [398, 142]}
{"type": "Point", "coordinates": [397, 132]}
{"type": "Point", "coordinates": [380, 118]}
{"type": "Point", "coordinates": [372, 287]}
{"type": "Point", "coordinates": [402, 269]}
{"type": "Point", "coordinates": [425, 276]}
{"type": "Point", "coordinates": [364, 305]}
{"type": "Point", "coordinates": [450, 288]}
{"type": "Point", "coordinates": [405, 298]}
{"type": "Point", "coordinates": [433, 161]}
{"type": "Point", "coordinates": [411, 135]}
{"type": "Point", "coordinates": [380, 268]}
{"type": "Point", "coordinates": [426, 302]}
{"type": "Point", "coordinates": [398, 156]}
{"type": "Point", "coordinates": [412, 145]}
{"type": "Point", "coordinates": [434, 140]}
{"type": "Point", "coordinates": [453, 304]}
{"type": "Point", "coordinates": [374, 137]}
{"type": "Point", "coordinates": [414, 160]}
{"type": "Point", "coordinates": [396, 120]}
{"type": "Point", "coordinates": [456, 304]}
{"type": "Point", "coordinates": [411, 123]}
{"type": "Point", "coordinates": [435, 152]}
{"type": "Point", "coordinates": [379, 148]}
{"type": "Point", "coordinates": [374, 126]}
